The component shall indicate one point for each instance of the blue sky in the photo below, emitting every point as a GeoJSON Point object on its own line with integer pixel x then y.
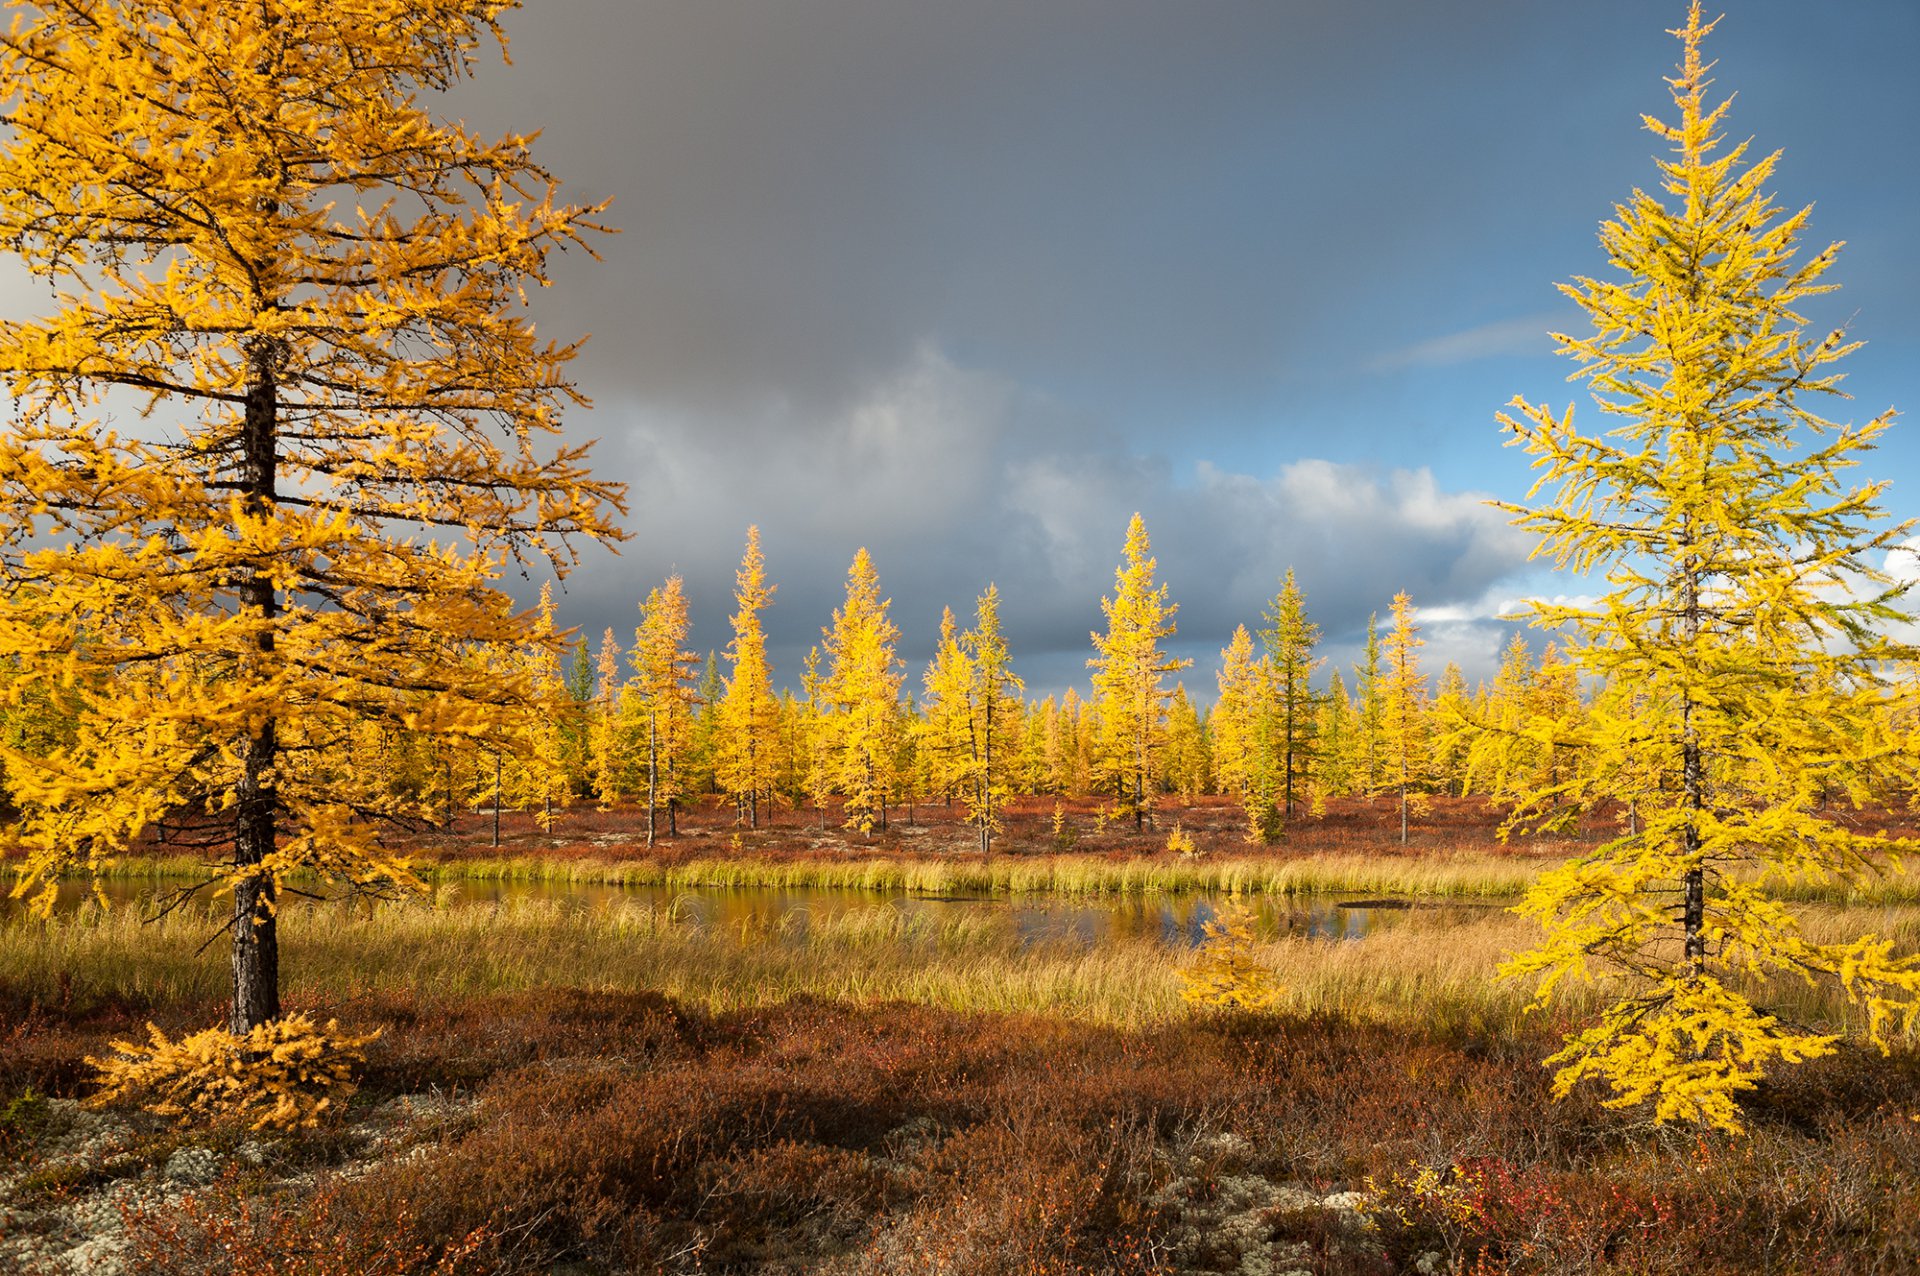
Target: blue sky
{"type": "Point", "coordinates": [970, 283]}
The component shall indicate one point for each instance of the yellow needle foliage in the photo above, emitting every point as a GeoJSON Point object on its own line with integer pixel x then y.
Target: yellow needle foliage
{"type": "Point", "coordinates": [302, 297]}
{"type": "Point", "coordinates": [1129, 677]}
{"type": "Point", "coordinates": [1224, 974]}
{"type": "Point", "coordinates": [282, 1075]}
{"type": "Point", "coordinates": [863, 688]}
{"type": "Point", "coordinates": [1743, 615]}
{"type": "Point", "coordinates": [662, 695]}
{"type": "Point", "coordinates": [1243, 753]}
{"type": "Point", "coordinates": [749, 715]}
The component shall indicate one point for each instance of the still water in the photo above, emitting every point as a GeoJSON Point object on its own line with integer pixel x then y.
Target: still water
{"type": "Point", "coordinates": [784, 915]}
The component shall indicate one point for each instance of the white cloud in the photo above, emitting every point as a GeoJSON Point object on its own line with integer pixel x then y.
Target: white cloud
{"type": "Point", "coordinates": [955, 477]}
{"type": "Point", "coordinates": [1525, 335]}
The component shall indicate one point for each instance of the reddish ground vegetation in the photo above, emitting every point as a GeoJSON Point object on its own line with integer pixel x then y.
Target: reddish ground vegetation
{"type": "Point", "coordinates": [711, 827]}
{"type": "Point", "coordinates": [1217, 825]}
{"type": "Point", "coordinates": [625, 1133]}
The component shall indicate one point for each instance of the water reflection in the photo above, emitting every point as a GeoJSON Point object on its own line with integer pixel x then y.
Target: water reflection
{"type": "Point", "coordinates": [787, 915]}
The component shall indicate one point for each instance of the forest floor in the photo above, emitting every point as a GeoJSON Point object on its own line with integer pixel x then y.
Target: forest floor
{"type": "Point", "coordinates": [614, 1090]}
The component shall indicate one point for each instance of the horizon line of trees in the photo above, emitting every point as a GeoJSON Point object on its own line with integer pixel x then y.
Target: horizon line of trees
{"type": "Point", "coordinates": [657, 725]}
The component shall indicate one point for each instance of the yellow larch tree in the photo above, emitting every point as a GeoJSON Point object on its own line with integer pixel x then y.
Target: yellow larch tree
{"type": "Point", "coordinates": [1744, 606]}
{"type": "Point", "coordinates": [1336, 766]}
{"type": "Point", "coordinates": [661, 698]}
{"type": "Point", "coordinates": [703, 746]}
{"type": "Point", "coordinates": [1453, 704]}
{"type": "Point", "coordinates": [948, 749]}
{"type": "Point", "coordinates": [1032, 769]}
{"type": "Point", "coordinates": [576, 753]}
{"type": "Point", "coordinates": [1500, 750]}
{"type": "Point", "coordinates": [1406, 751]}
{"type": "Point", "coordinates": [606, 740]}
{"type": "Point", "coordinates": [38, 717]}
{"type": "Point", "coordinates": [749, 715]}
{"type": "Point", "coordinates": [1188, 770]}
{"type": "Point", "coordinates": [1368, 742]}
{"type": "Point", "coordinates": [1076, 734]}
{"type": "Point", "coordinates": [310, 289]}
{"type": "Point", "coordinates": [816, 738]}
{"type": "Point", "coordinates": [996, 727]}
{"type": "Point", "coordinates": [1056, 746]}
{"type": "Point", "coordinates": [1243, 756]}
{"type": "Point", "coordinates": [863, 688]}
{"type": "Point", "coordinates": [1129, 677]}
{"type": "Point", "coordinates": [537, 772]}
{"type": "Point", "coordinates": [1290, 639]}
{"type": "Point", "coordinates": [1554, 702]}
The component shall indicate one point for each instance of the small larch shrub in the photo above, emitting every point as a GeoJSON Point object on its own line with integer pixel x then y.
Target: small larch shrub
{"type": "Point", "coordinates": [1224, 974]}
{"type": "Point", "coordinates": [282, 1075]}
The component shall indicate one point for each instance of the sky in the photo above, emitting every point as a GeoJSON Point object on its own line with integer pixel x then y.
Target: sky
{"type": "Point", "coordinates": [970, 283]}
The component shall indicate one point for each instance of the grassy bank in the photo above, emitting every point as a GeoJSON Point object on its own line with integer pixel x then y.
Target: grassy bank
{"type": "Point", "coordinates": [1466, 875]}
{"type": "Point", "coordinates": [1438, 973]}
{"type": "Point", "coordinates": [1446, 876]}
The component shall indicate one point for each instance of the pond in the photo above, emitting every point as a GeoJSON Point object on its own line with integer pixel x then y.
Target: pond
{"type": "Point", "coordinates": [1176, 920]}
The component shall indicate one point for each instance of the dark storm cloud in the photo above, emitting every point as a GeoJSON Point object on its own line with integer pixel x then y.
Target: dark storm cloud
{"type": "Point", "coordinates": [1151, 203]}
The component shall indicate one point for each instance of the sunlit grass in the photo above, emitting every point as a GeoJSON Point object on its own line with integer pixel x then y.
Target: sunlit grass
{"type": "Point", "coordinates": [1438, 876]}
{"type": "Point", "coordinates": [1439, 973]}
{"type": "Point", "coordinates": [1452, 875]}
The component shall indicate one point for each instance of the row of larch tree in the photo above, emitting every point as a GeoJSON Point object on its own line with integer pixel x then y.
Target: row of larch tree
{"type": "Point", "coordinates": [655, 726]}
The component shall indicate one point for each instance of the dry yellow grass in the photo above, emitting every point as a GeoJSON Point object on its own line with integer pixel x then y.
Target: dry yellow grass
{"type": "Point", "coordinates": [1438, 972]}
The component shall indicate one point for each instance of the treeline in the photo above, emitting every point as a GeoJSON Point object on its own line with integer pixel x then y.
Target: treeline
{"type": "Point", "coordinates": [649, 722]}
{"type": "Point", "coordinates": [655, 725]}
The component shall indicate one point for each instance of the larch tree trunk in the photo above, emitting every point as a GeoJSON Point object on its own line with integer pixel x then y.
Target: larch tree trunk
{"type": "Point", "coordinates": [256, 935]}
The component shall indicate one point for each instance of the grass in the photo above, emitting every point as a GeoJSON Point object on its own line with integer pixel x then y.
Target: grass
{"type": "Point", "coordinates": [1459, 875]}
{"type": "Point", "coordinates": [1438, 972]}
{"type": "Point", "coordinates": [1456, 876]}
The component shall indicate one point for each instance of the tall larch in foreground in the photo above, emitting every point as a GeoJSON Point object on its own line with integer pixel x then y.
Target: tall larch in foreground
{"type": "Point", "coordinates": [1130, 677]}
{"type": "Point", "coordinates": [1743, 607]}
{"type": "Point", "coordinates": [312, 288]}
{"type": "Point", "coordinates": [863, 689]}
{"type": "Point", "coordinates": [749, 716]}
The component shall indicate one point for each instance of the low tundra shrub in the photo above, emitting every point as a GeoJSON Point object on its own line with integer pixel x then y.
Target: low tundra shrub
{"type": "Point", "coordinates": [225, 1231]}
